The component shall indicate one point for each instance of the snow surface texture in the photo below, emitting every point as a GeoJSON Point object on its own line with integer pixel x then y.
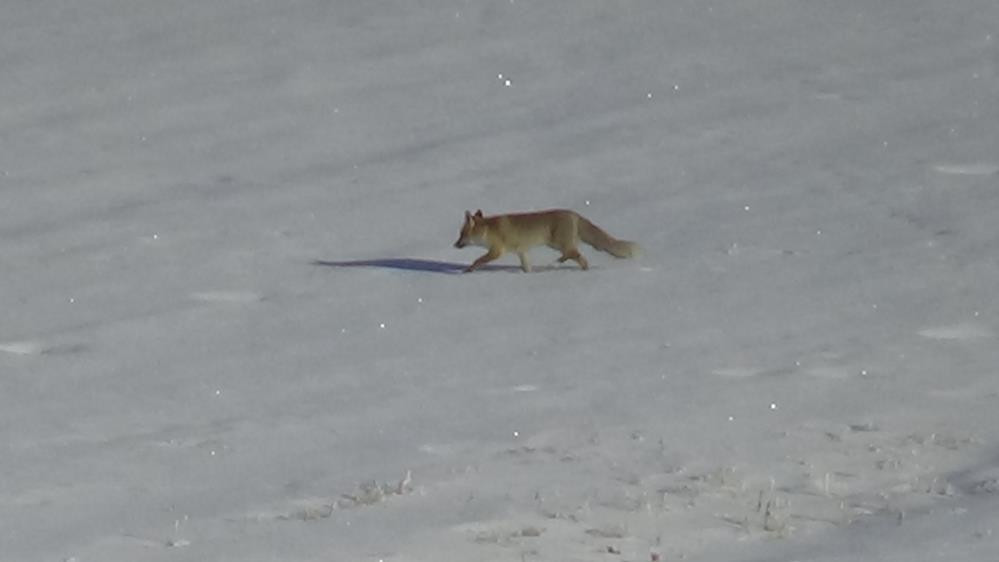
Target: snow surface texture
{"type": "Point", "coordinates": [234, 328]}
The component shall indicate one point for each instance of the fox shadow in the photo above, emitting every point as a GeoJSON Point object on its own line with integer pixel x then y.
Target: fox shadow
{"type": "Point", "coordinates": [429, 266]}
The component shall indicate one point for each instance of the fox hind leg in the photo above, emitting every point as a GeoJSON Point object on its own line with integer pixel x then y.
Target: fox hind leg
{"type": "Point", "coordinates": [574, 255]}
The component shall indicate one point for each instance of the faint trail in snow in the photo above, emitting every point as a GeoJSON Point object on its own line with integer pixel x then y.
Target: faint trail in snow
{"type": "Point", "coordinates": [829, 372]}
{"type": "Point", "coordinates": [128, 539]}
{"type": "Point", "coordinates": [22, 347]}
{"type": "Point", "coordinates": [969, 392]}
{"type": "Point", "coordinates": [957, 332]}
{"type": "Point", "coordinates": [520, 388]}
{"type": "Point", "coordinates": [976, 169]}
{"type": "Point", "coordinates": [228, 296]}
{"type": "Point", "coordinates": [214, 447]}
{"type": "Point", "coordinates": [36, 347]}
{"type": "Point", "coordinates": [749, 372]}
{"type": "Point", "coordinates": [737, 372]}
{"type": "Point", "coordinates": [829, 96]}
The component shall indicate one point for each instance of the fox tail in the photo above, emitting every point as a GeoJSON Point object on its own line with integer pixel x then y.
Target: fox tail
{"type": "Point", "coordinates": [599, 239]}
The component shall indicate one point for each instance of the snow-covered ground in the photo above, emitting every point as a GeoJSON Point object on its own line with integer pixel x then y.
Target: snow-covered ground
{"type": "Point", "coordinates": [234, 329]}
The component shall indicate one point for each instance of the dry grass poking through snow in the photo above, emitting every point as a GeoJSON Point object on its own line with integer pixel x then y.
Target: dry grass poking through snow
{"type": "Point", "coordinates": [618, 493]}
{"type": "Point", "coordinates": [367, 494]}
{"type": "Point", "coordinates": [567, 495]}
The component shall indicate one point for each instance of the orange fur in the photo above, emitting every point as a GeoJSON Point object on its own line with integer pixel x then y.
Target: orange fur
{"type": "Point", "coordinates": [559, 229]}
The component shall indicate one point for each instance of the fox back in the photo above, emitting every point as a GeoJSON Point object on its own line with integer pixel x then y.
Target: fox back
{"type": "Point", "coordinates": [520, 231]}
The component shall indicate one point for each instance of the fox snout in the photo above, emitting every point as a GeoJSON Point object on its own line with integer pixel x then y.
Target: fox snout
{"type": "Point", "coordinates": [464, 239]}
{"type": "Point", "coordinates": [466, 236]}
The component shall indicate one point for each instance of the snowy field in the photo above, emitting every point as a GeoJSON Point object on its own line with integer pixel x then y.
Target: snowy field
{"type": "Point", "coordinates": [234, 328]}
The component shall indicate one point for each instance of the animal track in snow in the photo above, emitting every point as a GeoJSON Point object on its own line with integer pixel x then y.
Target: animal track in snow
{"type": "Point", "coordinates": [975, 169]}
{"type": "Point", "coordinates": [957, 332]}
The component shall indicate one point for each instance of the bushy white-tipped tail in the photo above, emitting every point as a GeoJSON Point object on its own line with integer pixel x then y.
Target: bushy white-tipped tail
{"type": "Point", "coordinates": [599, 239]}
{"type": "Point", "coordinates": [625, 249]}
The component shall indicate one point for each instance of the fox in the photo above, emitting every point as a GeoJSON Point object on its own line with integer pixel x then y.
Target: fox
{"type": "Point", "coordinates": [559, 229]}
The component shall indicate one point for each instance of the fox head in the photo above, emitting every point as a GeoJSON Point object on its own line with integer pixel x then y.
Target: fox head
{"type": "Point", "coordinates": [471, 230]}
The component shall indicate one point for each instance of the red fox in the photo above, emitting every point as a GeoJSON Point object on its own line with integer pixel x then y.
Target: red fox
{"type": "Point", "coordinates": [559, 229]}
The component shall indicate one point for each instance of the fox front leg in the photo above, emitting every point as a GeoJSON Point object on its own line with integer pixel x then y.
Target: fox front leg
{"type": "Point", "coordinates": [489, 256]}
{"type": "Point", "coordinates": [524, 264]}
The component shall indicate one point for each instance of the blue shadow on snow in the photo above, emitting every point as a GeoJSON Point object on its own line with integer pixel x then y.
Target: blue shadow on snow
{"type": "Point", "coordinates": [411, 264]}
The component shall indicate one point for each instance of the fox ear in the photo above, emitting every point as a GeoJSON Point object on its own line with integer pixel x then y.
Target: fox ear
{"type": "Point", "coordinates": [478, 214]}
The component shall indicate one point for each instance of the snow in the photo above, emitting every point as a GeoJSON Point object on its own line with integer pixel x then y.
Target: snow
{"type": "Point", "coordinates": [236, 328]}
